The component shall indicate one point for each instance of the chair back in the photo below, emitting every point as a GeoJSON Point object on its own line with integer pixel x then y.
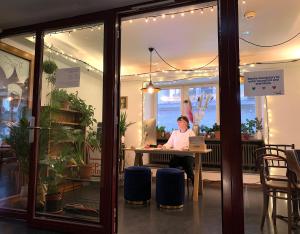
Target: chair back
{"type": "Point", "coordinates": [281, 146]}
{"type": "Point", "coordinates": [293, 165]}
{"type": "Point", "coordinates": [271, 163]}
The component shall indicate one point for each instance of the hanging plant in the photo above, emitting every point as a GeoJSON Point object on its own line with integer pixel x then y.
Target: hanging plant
{"type": "Point", "coordinates": [49, 67]}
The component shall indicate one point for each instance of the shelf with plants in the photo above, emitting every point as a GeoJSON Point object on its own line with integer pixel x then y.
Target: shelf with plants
{"type": "Point", "coordinates": [66, 137]}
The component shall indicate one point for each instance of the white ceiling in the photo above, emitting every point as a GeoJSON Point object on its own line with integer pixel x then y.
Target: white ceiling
{"type": "Point", "coordinates": [191, 41]}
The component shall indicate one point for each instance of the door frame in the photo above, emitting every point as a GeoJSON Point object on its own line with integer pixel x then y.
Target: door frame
{"type": "Point", "coordinates": [232, 188]}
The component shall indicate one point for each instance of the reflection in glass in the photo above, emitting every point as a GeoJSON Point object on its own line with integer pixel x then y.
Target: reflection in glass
{"type": "Point", "coordinates": [15, 103]}
{"type": "Point", "coordinates": [70, 120]}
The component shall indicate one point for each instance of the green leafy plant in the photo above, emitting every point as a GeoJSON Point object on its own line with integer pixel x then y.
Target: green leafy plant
{"type": "Point", "coordinates": [215, 127]}
{"type": "Point", "coordinates": [18, 139]}
{"type": "Point", "coordinates": [55, 173]}
{"type": "Point", "coordinates": [50, 67]}
{"type": "Point", "coordinates": [58, 98]}
{"type": "Point", "coordinates": [206, 129]}
{"type": "Point", "coordinates": [123, 125]}
{"type": "Point", "coordinates": [83, 145]}
{"type": "Point", "coordinates": [87, 111]}
{"type": "Point", "coordinates": [249, 127]}
{"type": "Point", "coordinates": [160, 129]}
{"type": "Point", "coordinates": [258, 124]}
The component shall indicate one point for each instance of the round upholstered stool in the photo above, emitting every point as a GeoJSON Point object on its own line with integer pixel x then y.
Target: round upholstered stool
{"type": "Point", "coordinates": [170, 188]}
{"type": "Point", "coordinates": [137, 185]}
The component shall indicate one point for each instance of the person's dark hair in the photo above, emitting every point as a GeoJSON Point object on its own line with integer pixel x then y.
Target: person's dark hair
{"type": "Point", "coordinates": [184, 118]}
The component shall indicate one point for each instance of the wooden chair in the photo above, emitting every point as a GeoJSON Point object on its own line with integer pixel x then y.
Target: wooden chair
{"type": "Point", "coordinates": [276, 179]}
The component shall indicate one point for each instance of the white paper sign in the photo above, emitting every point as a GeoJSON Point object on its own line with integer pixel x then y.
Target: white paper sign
{"type": "Point", "coordinates": [68, 77]}
{"type": "Point", "coordinates": [264, 83]}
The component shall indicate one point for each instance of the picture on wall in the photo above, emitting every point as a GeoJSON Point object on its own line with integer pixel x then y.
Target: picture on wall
{"type": "Point", "coordinates": [16, 73]}
{"type": "Point", "coordinates": [124, 102]}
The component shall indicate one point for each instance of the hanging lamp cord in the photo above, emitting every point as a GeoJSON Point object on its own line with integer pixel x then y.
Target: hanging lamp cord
{"type": "Point", "coordinates": [150, 50]}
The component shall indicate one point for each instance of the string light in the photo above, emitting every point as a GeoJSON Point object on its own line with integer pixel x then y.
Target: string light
{"type": "Point", "coordinates": [182, 13]}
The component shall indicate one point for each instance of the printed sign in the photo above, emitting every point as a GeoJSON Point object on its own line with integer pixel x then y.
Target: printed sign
{"type": "Point", "coordinates": [68, 77]}
{"type": "Point", "coordinates": [264, 83]}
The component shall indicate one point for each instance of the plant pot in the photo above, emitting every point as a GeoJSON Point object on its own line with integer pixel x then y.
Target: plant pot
{"type": "Point", "coordinates": [245, 137]}
{"type": "Point", "coordinates": [54, 202]}
{"type": "Point", "coordinates": [217, 135]}
{"type": "Point", "coordinates": [65, 105]}
{"type": "Point", "coordinates": [85, 171]}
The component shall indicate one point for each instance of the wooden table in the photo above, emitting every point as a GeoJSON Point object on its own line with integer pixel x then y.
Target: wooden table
{"type": "Point", "coordinates": [198, 183]}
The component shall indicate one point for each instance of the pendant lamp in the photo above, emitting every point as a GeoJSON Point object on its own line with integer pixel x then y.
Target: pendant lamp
{"type": "Point", "coordinates": [150, 88]}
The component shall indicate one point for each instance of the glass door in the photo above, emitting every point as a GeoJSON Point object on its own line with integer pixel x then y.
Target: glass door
{"type": "Point", "coordinates": [16, 83]}
{"type": "Point", "coordinates": [69, 160]}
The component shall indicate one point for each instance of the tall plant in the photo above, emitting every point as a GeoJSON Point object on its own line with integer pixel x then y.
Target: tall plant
{"type": "Point", "coordinates": [123, 125]}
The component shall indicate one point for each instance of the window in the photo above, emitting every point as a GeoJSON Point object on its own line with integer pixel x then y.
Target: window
{"type": "Point", "coordinates": [168, 108]}
{"type": "Point", "coordinates": [248, 106]}
{"type": "Point", "coordinates": [210, 114]}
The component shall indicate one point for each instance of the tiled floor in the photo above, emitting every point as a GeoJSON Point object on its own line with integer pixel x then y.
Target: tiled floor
{"type": "Point", "coordinates": [201, 218]}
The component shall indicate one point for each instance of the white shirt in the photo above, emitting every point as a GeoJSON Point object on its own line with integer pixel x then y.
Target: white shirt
{"type": "Point", "coordinates": [179, 140]}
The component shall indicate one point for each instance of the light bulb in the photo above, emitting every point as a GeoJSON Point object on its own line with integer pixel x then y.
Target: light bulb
{"type": "Point", "coordinates": [150, 89]}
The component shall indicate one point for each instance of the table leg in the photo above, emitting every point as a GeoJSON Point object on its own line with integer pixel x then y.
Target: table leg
{"type": "Point", "coordinates": [138, 160]}
{"type": "Point", "coordinates": [196, 178]}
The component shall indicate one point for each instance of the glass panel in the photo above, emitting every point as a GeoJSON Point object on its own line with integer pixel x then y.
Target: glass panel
{"type": "Point", "coordinates": [71, 121]}
{"type": "Point", "coordinates": [248, 106]}
{"type": "Point", "coordinates": [270, 67]}
{"type": "Point", "coordinates": [168, 108]}
{"type": "Point", "coordinates": [206, 98]}
{"type": "Point", "coordinates": [189, 42]}
{"type": "Point", "coordinates": [16, 80]}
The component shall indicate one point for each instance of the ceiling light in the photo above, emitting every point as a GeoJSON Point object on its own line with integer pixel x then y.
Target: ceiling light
{"type": "Point", "coordinates": [246, 33]}
{"type": "Point", "coordinates": [250, 15]}
{"type": "Point", "coordinates": [150, 88]}
{"type": "Point", "coordinates": [182, 14]}
{"type": "Point", "coordinates": [163, 16]}
{"type": "Point", "coordinates": [130, 21]}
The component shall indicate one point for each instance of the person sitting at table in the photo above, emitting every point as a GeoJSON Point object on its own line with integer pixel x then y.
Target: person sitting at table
{"type": "Point", "coordinates": [179, 140]}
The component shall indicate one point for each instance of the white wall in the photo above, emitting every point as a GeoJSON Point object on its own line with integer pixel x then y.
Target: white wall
{"type": "Point", "coordinates": [133, 135]}
{"type": "Point", "coordinates": [284, 110]}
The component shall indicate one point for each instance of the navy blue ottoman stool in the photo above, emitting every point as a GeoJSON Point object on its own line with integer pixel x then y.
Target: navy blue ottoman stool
{"type": "Point", "coordinates": [137, 185]}
{"type": "Point", "coordinates": [170, 188]}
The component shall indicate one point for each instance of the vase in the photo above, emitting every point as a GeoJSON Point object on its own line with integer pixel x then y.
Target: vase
{"type": "Point", "coordinates": [196, 129]}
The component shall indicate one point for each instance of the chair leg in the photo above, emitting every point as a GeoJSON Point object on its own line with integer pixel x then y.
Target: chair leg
{"type": "Point", "coordinates": [187, 187]}
{"type": "Point", "coordinates": [289, 208]}
{"type": "Point", "coordinates": [274, 210]}
{"type": "Point", "coordinates": [265, 210]}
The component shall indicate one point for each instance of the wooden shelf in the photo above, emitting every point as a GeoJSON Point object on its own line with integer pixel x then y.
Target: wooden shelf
{"type": "Point", "coordinates": [66, 123]}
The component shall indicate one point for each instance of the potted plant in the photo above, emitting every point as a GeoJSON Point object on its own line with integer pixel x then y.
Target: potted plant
{"type": "Point", "coordinates": [123, 125]}
{"type": "Point", "coordinates": [53, 179]}
{"type": "Point", "coordinates": [248, 129]}
{"type": "Point", "coordinates": [82, 147]}
{"type": "Point", "coordinates": [87, 111]}
{"type": "Point", "coordinates": [160, 131]}
{"type": "Point", "coordinates": [18, 139]}
{"type": "Point", "coordinates": [259, 128]}
{"type": "Point", "coordinates": [50, 67]}
{"type": "Point", "coordinates": [59, 98]}
{"type": "Point", "coordinates": [216, 130]}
